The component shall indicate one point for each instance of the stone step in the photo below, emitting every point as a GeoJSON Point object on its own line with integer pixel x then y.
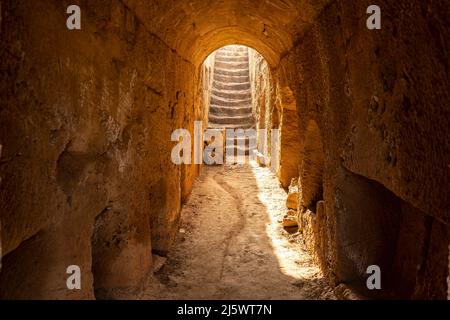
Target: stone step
{"type": "Point", "coordinates": [212, 125]}
{"type": "Point", "coordinates": [228, 102]}
{"type": "Point", "coordinates": [233, 150]}
{"type": "Point", "coordinates": [231, 119]}
{"type": "Point", "coordinates": [242, 58]}
{"type": "Point", "coordinates": [237, 150]}
{"type": "Point", "coordinates": [237, 72]}
{"type": "Point", "coordinates": [231, 100]}
{"type": "Point", "coordinates": [239, 160]}
{"type": "Point", "coordinates": [231, 94]}
{"type": "Point", "coordinates": [240, 138]}
{"type": "Point", "coordinates": [232, 52]}
{"type": "Point", "coordinates": [219, 85]}
{"type": "Point", "coordinates": [226, 51]}
{"type": "Point", "coordinates": [231, 59]}
{"type": "Point", "coordinates": [233, 48]}
{"type": "Point", "coordinates": [239, 57]}
{"type": "Point", "coordinates": [231, 79]}
{"type": "Point", "coordinates": [245, 119]}
{"type": "Point", "coordinates": [231, 146]}
{"type": "Point", "coordinates": [220, 110]}
{"type": "Point", "coordinates": [231, 66]}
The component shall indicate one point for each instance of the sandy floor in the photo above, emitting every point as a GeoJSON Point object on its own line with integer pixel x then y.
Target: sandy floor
{"type": "Point", "coordinates": [231, 244]}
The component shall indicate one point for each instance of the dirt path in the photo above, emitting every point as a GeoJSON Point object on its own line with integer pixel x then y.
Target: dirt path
{"type": "Point", "coordinates": [232, 246]}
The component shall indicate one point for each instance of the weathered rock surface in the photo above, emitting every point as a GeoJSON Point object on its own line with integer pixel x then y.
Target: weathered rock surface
{"type": "Point", "coordinates": [366, 98]}
{"type": "Point", "coordinates": [292, 198]}
{"type": "Point", "coordinates": [86, 118]}
{"type": "Point", "coordinates": [85, 123]}
{"type": "Point", "coordinates": [372, 133]}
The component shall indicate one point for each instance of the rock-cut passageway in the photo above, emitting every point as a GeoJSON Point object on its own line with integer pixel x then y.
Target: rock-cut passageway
{"type": "Point", "coordinates": [346, 101]}
{"type": "Point", "coordinates": [231, 244]}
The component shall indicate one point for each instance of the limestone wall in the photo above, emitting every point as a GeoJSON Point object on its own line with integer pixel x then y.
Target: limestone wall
{"type": "Point", "coordinates": [85, 123]}
{"type": "Point", "coordinates": [380, 102]}
{"type": "Point", "coordinates": [86, 118]}
{"type": "Point", "coordinates": [362, 119]}
{"type": "Point", "coordinates": [265, 110]}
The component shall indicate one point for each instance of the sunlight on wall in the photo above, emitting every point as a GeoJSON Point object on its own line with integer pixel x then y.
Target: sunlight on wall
{"type": "Point", "coordinates": [289, 254]}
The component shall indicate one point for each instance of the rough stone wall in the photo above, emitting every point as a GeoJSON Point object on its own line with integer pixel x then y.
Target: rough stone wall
{"type": "Point", "coordinates": [85, 123]}
{"type": "Point", "coordinates": [86, 118]}
{"type": "Point", "coordinates": [266, 110]}
{"type": "Point", "coordinates": [289, 137]}
{"type": "Point", "coordinates": [380, 100]}
{"type": "Point", "coordinates": [274, 107]}
{"type": "Point", "coordinates": [208, 79]}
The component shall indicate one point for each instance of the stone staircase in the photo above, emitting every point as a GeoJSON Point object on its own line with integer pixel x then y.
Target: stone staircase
{"type": "Point", "coordinates": [231, 98]}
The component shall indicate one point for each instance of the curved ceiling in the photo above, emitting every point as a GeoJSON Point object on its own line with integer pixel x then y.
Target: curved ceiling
{"type": "Point", "coordinates": [195, 28]}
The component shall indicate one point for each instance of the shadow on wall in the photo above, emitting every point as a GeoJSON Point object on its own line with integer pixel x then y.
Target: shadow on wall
{"type": "Point", "coordinates": [367, 229]}
{"type": "Point", "coordinates": [311, 213]}
{"type": "Point", "coordinates": [289, 138]}
{"type": "Point", "coordinates": [375, 227]}
{"type": "Point", "coordinates": [372, 226]}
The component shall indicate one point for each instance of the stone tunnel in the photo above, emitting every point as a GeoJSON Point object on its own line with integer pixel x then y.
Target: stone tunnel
{"type": "Point", "coordinates": [86, 118]}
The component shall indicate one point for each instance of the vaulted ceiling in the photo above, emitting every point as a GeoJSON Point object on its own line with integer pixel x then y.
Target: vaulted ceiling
{"type": "Point", "coordinates": [195, 28]}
